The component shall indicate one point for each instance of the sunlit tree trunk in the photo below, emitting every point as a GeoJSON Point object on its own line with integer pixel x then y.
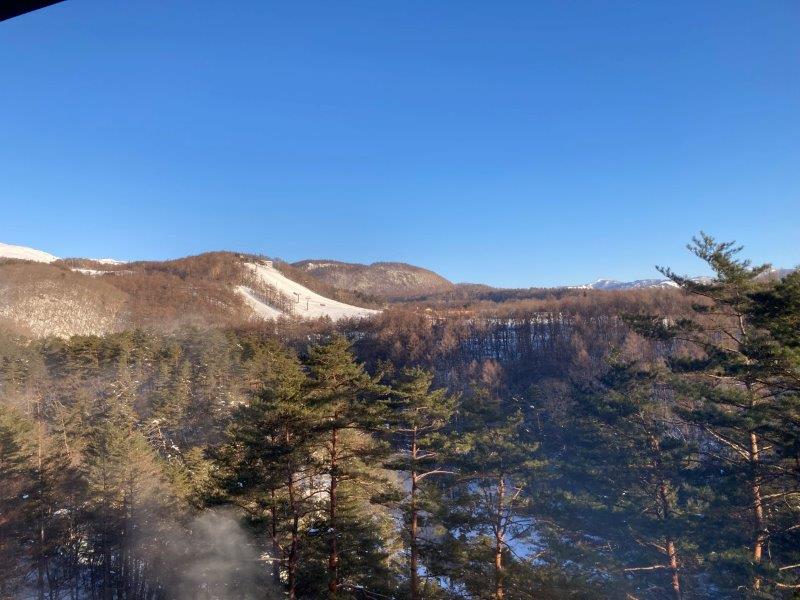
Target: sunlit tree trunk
{"type": "Point", "coordinates": [414, 563]}
{"type": "Point", "coordinates": [672, 553]}
{"type": "Point", "coordinates": [292, 558]}
{"type": "Point", "coordinates": [499, 574]}
{"type": "Point", "coordinates": [333, 556]}
{"type": "Point", "coordinates": [759, 526]}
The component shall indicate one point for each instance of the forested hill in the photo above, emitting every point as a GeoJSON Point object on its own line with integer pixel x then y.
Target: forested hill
{"type": "Point", "coordinates": [42, 295]}
{"type": "Point", "coordinates": [542, 444]}
{"type": "Point", "coordinates": [212, 290]}
{"type": "Point", "coordinates": [383, 279]}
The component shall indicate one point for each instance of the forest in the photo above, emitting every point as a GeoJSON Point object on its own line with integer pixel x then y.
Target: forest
{"type": "Point", "coordinates": [634, 445]}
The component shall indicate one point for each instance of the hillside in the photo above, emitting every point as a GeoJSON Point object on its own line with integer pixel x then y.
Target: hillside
{"type": "Point", "coordinates": [41, 295]}
{"type": "Point", "coordinates": [300, 301]}
{"type": "Point", "coordinates": [25, 253]}
{"type": "Point", "coordinates": [385, 279]}
{"type": "Point", "coordinates": [39, 299]}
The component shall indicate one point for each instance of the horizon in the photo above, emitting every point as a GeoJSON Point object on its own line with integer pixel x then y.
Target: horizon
{"type": "Point", "coordinates": [533, 146]}
{"type": "Point", "coordinates": [659, 277]}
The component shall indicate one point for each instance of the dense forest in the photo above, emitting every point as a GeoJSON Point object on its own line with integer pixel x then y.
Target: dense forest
{"type": "Point", "coordinates": [634, 445]}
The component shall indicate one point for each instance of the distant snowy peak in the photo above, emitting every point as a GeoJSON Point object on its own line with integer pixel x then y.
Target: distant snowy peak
{"type": "Point", "coordinates": [24, 253]}
{"type": "Point", "coordinates": [613, 284]}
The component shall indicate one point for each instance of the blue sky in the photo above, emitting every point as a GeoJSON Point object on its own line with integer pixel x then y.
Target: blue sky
{"type": "Point", "coordinates": [512, 143]}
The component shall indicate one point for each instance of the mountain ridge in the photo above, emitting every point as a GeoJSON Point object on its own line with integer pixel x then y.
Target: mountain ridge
{"type": "Point", "coordinates": [387, 279]}
{"type": "Point", "coordinates": [41, 294]}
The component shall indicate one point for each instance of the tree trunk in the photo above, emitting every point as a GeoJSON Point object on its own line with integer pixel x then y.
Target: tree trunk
{"type": "Point", "coordinates": [291, 563]}
{"type": "Point", "coordinates": [672, 553]}
{"type": "Point", "coordinates": [333, 557]}
{"type": "Point", "coordinates": [40, 558]}
{"type": "Point", "coordinates": [276, 548]}
{"type": "Point", "coordinates": [414, 566]}
{"type": "Point", "coordinates": [759, 527]}
{"type": "Point", "coordinates": [499, 592]}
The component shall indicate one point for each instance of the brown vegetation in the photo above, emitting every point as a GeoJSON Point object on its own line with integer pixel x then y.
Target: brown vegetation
{"type": "Point", "coordinates": [391, 280]}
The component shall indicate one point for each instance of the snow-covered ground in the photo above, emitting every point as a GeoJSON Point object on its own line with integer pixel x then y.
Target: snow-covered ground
{"type": "Point", "coordinates": [91, 272]}
{"type": "Point", "coordinates": [305, 303]}
{"type": "Point", "coordinates": [261, 308]}
{"type": "Point", "coordinates": [24, 253]}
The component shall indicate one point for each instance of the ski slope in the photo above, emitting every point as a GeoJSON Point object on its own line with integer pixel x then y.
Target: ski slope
{"type": "Point", "coordinates": [262, 309]}
{"type": "Point", "coordinates": [305, 303]}
{"type": "Point", "coordinates": [24, 253]}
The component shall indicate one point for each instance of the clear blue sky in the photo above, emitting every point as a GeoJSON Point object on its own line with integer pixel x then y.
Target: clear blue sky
{"type": "Point", "coordinates": [515, 143]}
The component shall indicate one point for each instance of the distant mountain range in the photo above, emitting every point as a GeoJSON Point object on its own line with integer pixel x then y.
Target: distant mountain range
{"type": "Point", "coordinates": [613, 284]}
{"type": "Point", "coordinates": [41, 294]}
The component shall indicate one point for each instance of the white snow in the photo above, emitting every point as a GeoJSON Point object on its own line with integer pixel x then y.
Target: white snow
{"type": "Point", "coordinates": [90, 272]}
{"type": "Point", "coordinates": [261, 308]}
{"type": "Point", "coordinates": [23, 253]}
{"type": "Point", "coordinates": [613, 284]}
{"type": "Point", "coordinates": [306, 303]}
{"type": "Point", "coordinates": [109, 261]}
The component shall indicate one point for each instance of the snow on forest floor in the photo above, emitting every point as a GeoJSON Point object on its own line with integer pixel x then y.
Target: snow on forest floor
{"type": "Point", "coordinates": [305, 303]}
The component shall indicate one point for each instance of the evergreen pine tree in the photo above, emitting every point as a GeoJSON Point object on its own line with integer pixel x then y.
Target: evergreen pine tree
{"type": "Point", "coordinates": [268, 463]}
{"type": "Point", "coordinates": [489, 510]}
{"type": "Point", "coordinates": [348, 407]}
{"type": "Point", "coordinates": [630, 476]}
{"type": "Point", "coordinates": [419, 418]}
{"type": "Point", "coordinates": [725, 372]}
{"type": "Point", "coordinates": [17, 476]}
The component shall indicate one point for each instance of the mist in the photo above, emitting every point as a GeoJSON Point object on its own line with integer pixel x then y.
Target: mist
{"type": "Point", "coordinates": [214, 558]}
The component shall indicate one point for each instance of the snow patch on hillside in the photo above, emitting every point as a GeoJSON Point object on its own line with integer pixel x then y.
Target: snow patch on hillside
{"type": "Point", "coordinates": [261, 308]}
{"type": "Point", "coordinates": [305, 303]}
{"type": "Point", "coordinates": [90, 272]}
{"type": "Point", "coordinates": [24, 253]}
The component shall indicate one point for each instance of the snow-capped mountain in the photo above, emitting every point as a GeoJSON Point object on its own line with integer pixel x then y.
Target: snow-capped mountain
{"type": "Point", "coordinates": [25, 253]}
{"type": "Point", "coordinates": [613, 284]}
